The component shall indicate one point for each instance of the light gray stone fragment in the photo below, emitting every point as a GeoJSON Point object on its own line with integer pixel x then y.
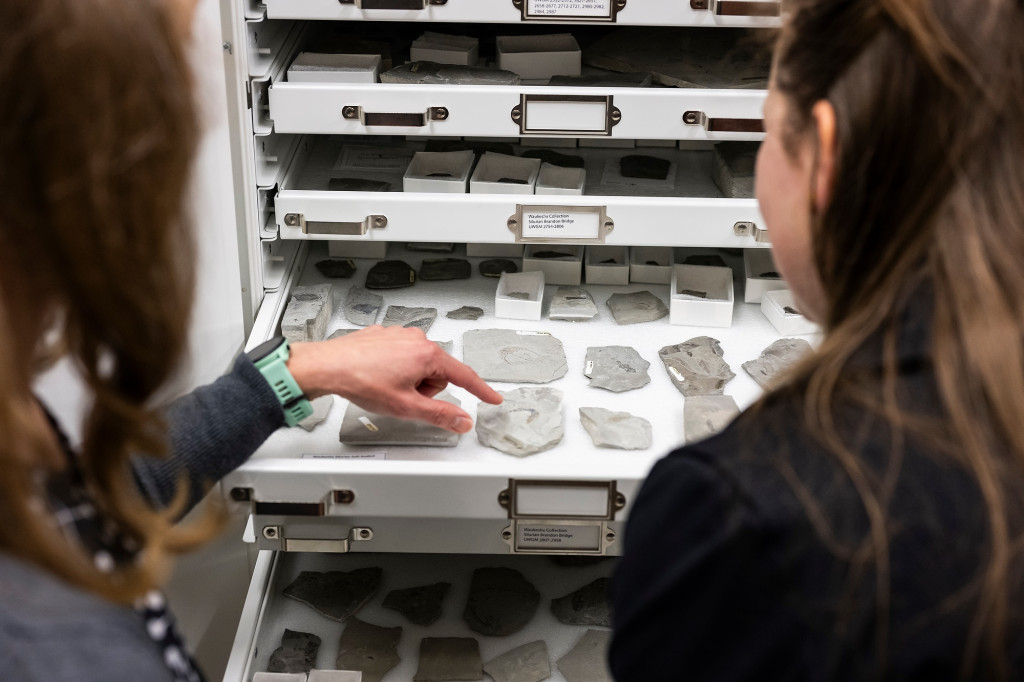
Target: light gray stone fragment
{"type": "Point", "coordinates": [421, 605]}
{"type": "Point", "coordinates": [307, 314]}
{"type": "Point", "coordinates": [642, 306]}
{"type": "Point", "coordinates": [338, 333]}
{"type": "Point", "coordinates": [335, 594]}
{"type": "Point", "coordinates": [431, 73]}
{"type": "Point", "coordinates": [446, 346]}
{"type": "Point", "coordinates": [449, 658]}
{"type": "Point", "coordinates": [513, 356]}
{"type": "Point", "coordinates": [321, 408]}
{"type": "Point", "coordinates": [572, 303]}
{"type": "Point", "coordinates": [620, 430]}
{"type": "Point", "coordinates": [526, 663]}
{"type": "Point", "coordinates": [501, 601]}
{"type": "Point", "coordinates": [588, 605]}
{"type": "Point", "coordinates": [362, 306]}
{"type": "Point", "coordinates": [360, 427]}
{"type": "Point", "coordinates": [776, 359]}
{"type": "Point", "coordinates": [696, 366]}
{"type": "Point", "coordinates": [706, 415]}
{"type": "Point", "coordinates": [466, 312]}
{"type": "Point", "coordinates": [527, 422]}
{"type": "Point", "coordinates": [369, 648]}
{"type": "Point", "coordinates": [615, 368]}
{"type": "Point", "coordinates": [297, 653]}
{"type": "Point", "coordinates": [588, 660]}
{"type": "Point", "coordinates": [733, 168]}
{"type": "Point", "coordinates": [401, 316]}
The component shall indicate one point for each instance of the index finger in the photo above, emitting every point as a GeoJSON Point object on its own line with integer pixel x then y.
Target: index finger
{"type": "Point", "coordinates": [463, 375]}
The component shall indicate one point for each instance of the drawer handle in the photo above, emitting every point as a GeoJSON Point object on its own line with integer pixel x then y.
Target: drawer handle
{"type": "Point", "coordinates": [393, 4]}
{"type": "Point", "coordinates": [352, 229]}
{"type": "Point", "coordinates": [739, 8]}
{"type": "Point", "coordinates": [723, 125]}
{"type": "Point", "coordinates": [394, 119]}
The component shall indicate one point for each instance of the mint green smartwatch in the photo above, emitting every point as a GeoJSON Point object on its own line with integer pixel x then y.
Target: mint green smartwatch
{"type": "Point", "coordinates": [270, 359]}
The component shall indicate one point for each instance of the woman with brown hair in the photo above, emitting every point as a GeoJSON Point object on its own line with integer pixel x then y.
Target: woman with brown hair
{"type": "Point", "coordinates": [97, 132]}
{"type": "Point", "coordinates": [866, 519]}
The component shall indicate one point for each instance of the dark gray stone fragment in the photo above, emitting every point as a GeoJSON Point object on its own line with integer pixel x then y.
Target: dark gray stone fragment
{"type": "Point", "coordinates": [338, 333]}
{"type": "Point", "coordinates": [517, 357]}
{"type": "Point", "coordinates": [402, 316]}
{"type": "Point", "coordinates": [588, 605]}
{"type": "Point", "coordinates": [551, 255]}
{"type": "Point", "coordinates": [645, 167]}
{"type": "Point", "coordinates": [616, 368]}
{"type": "Point", "coordinates": [297, 653]}
{"type": "Point", "coordinates": [775, 360]}
{"type": "Point", "coordinates": [733, 168]}
{"type": "Point", "coordinates": [520, 295]}
{"type": "Point", "coordinates": [588, 660]}
{"type": "Point", "coordinates": [526, 663]}
{"type": "Point", "coordinates": [555, 158]}
{"type": "Point", "coordinates": [369, 648]}
{"type": "Point", "coordinates": [444, 659]}
{"type": "Point", "coordinates": [421, 605]}
{"type": "Point", "coordinates": [335, 594]}
{"type": "Point", "coordinates": [360, 427]}
{"type": "Point", "coordinates": [621, 430]}
{"type": "Point", "coordinates": [527, 422]}
{"type": "Point", "coordinates": [572, 303]}
{"type": "Point", "coordinates": [390, 274]}
{"type": "Point", "coordinates": [440, 269]}
{"type": "Point", "coordinates": [501, 602]}
{"type": "Point", "coordinates": [361, 307]}
{"type": "Point", "coordinates": [432, 247]}
{"type": "Point", "coordinates": [476, 146]}
{"type": "Point", "coordinates": [642, 306]}
{"type": "Point", "coordinates": [696, 366]}
{"type": "Point", "coordinates": [341, 268]}
{"type": "Point", "coordinates": [494, 267]}
{"type": "Point", "coordinates": [466, 312]}
{"type": "Point", "coordinates": [706, 415]}
{"type": "Point", "coordinates": [357, 185]}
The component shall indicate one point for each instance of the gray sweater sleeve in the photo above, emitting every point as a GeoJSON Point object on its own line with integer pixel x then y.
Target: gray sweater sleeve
{"type": "Point", "coordinates": [212, 431]}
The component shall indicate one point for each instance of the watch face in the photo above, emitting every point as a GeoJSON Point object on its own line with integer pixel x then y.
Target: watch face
{"type": "Point", "coordinates": [266, 348]}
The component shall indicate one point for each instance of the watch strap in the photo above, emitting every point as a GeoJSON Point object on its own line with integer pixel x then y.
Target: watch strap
{"type": "Point", "coordinates": [271, 360]}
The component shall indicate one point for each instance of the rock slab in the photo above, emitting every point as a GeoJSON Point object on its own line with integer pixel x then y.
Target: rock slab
{"type": "Point", "coordinates": [514, 356]}
{"type": "Point", "coordinates": [501, 602]}
{"type": "Point", "coordinates": [361, 306]}
{"type": "Point", "coordinates": [588, 605]}
{"type": "Point", "coordinates": [370, 649]}
{"type": "Point", "coordinates": [527, 422]}
{"type": "Point", "coordinates": [335, 594]}
{"type": "Point", "coordinates": [642, 306]}
{"type": "Point", "coordinates": [526, 663]}
{"type": "Point", "coordinates": [449, 658]}
{"type": "Point", "coordinates": [587, 661]}
{"type": "Point", "coordinates": [321, 408]}
{"type": "Point", "coordinates": [615, 368]}
{"type": "Point", "coordinates": [775, 360]}
{"type": "Point", "coordinates": [440, 269]}
{"type": "Point", "coordinates": [360, 427]}
{"type": "Point", "coordinates": [297, 653]}
{"type": "Point", "coordinates": [574, 304]}
{"type": "Point", "coordinates": [421, 605]}
{"type": "Point", "coordinates": [307, 314]}
{"type": "Point", "coordinates": [706, 415]}
{"type": "Point", "coordinates": [620, 430]}
{"type": "Point", "coordinates": [466, 312]}
{"type": "Point", "coordinates": [402, 316]}
{"type": "Point", "coordinates": [390, 274]}
{"type": "Point", "coordinates": [696, 366]}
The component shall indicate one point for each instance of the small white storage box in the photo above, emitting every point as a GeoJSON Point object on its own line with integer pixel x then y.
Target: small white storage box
{"type": "Point", "coordinates": [455, 165]}
{"type": "Point", "coordinates": [554, 179]}
{"type": "Point", "coordinates": [651, 264]}
{"type": "Point", "coordinates": [494, 250]}
{"type": "Point", "coordinates": [600, 272]}
{"type": "Point", "coordinates": [689, 307]}
{"type": "Point", "coordinates": [495, 167]}
{"type": "Point", "coordinates": [564, 270]}
{"type": "Point", "coordinates": [445, 49]}
{"type": "Point", "coordinates": [316, 67]}
{"type": "Point", "coordinates": [778, 306]}
{"type": "Point", "coordinates": [517, 307]}
{"type": "Point", "coordinates": [761, 275]}
{"type": "Point", "coordinates": [337, 248]}
{"type": "Point", "coordinates": [539, 57]}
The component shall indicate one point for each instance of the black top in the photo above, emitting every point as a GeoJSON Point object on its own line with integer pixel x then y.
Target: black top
{"type": "Point", "coordinates": [724, 576]}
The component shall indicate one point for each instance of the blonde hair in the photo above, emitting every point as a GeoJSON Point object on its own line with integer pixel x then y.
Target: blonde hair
{"type": "Point", "coordinates": [97, 132]}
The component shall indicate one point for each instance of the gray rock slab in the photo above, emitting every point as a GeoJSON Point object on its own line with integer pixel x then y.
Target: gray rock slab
{"type": "Point", "coordinates": [620, 430]}
{"type": "Point", "coordinates": [335, 594]}
{"type": "Point", "coordinates": [776, 359]}
{"type": "Point", "coordinates": [307, 314]}
{"type": "Point", "coordinates": [297, 653]}
{"type": "Point", "coordinates": [338, 333]}
{"type": "Point", "coordinates": [370, 649]}
{"type": "Point", "coordinates": [732, 168]}
{"type": "Point", "coordinates": [342, 268]}
{"type": "Point", "coordinates": [501, 601]}
{"type": "Point", "coordinates": [588, 605]}
{"type": "Point", "coordinates": [615, 368]}
{"type": "Point", "coordinates": [362, 306]}
{"type": "Point", "coordinates": [360, 427]}
{"type": "Point", "coordinates": [321, 408]}
{"type": "Point", "coordinates": [466, 312]}
{"type": "Point", "coordinates": [390, 274]}
{"type": "Point", "coordinates": [514, 356]}
{"type": "Point", "coordinates": [446, 346]}
{"type": "Point", "coordinates": [441, 269]}
{"type": "Point", "coordinates": [572, 303]}
{"type": "Point", "coordinates": [642, 306]}
{"type": "Point", "coordinates": [449, 658]}
{"type": "Point", "coordinates": [431, 73]}
{"type": "Point", "coordinates": [431, 247]}
{"type": "Point", "coordinates": [402, 316]}
{"type": "Point", "coordinates": [588, 660]}
{"type": "Point", "coordinates": [706, 415]}
{"type": "Point", "coordinates": [696, 366]}
{"type": "Point", "coordinates": [421, 605]}
{"type": "Point", "coordinates": [526, 663]}
{"type": "Point", "coordinates": [527, 422]}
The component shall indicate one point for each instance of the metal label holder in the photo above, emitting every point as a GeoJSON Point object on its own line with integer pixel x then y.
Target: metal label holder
{"type": "Point", "coordinates": [520, 114]}
{"type": "Point", "coordinates": [533, 10]}
{"type": "Point", "coordinates": [559, 217]}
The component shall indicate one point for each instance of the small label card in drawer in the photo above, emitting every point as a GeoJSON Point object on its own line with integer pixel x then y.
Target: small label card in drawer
{"type": "Point", "coordinates": [594, 10]}
{"type": "Point", "coordinates": [559, 537]}
{"type": "Point", "coordinates": [578, 224]}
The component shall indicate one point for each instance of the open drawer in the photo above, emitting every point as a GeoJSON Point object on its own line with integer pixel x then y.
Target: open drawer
{"type": "Point", "coordinates": [267, 612]}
